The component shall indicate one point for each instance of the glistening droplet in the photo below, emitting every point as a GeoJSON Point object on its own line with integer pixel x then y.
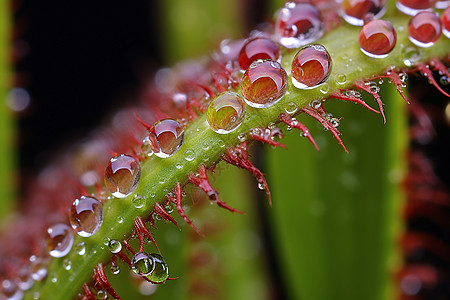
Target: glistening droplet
{"type": "Point", "coordinates": [354, 11]}
{"type": "Point", "coordinates": [142, 264]}
{"type": "Point", "coordinates": [377, 38]}
{"type": "Point", "coordinates": [311, 66]}
{"type": "Point", "coordinates": [412, 7]}
{"type": "Point", "coordinates": [59, 240]}
{"type": "Point", "coordinates": [86, 216]}
{"type": "Point", "coordinates": [424, 29]}
{"type": "Point", "coordinates": [122, 175]}
{"type": "Point", "coordinates": [298, 24]}
{"type": "Point", "coordinates": [166, 137]}
{"type": "Point", "coordinates": [257, 48]}
{"type": "Point", "coordinates": [160, 271]}
{"type": "Point", "coordinates": [446, 22]}
{"type": "Point", "coordinates": [264, 83]}
{"type": "Point", "coordinates": [114, 246]}
{"type": "Point", "coordinates": [138, 201]}
{"type": "Point", "coordinates": [226, 112]}
{"type": "Point", "coordinates": [291, 108]}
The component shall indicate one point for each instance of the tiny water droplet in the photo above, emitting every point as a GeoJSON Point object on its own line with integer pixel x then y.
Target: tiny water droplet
{"type": "Point", "coordinates": [138, 201]}
{"type": "Point", "coordinates": [189, 155]}
{"type": "Point", "coordinates": [146, 148]}
{"type": "Point", "coordinates": [444, 80]}
{"type": "Point", "coordinates": [122, 175]}
{"type": "Point", "coordinates": [36, 295]}
{"type": "Point", "coordinates": [166, 137]}
{"type": "Point", "coordinates": [316, 103]}
{"type": "Point", "coordinates": [341, 79]}
{"type": "Point", "coordinates": [114, 246]}
{"type": "Point", "coordinates": [311, 67]}
{"type": "Point", "coordinates": [260, 185]}
{"type": "Point", "coordinates": [411, 55]}
{"type": "Point", "coordinates": [157, 217]}
{"type": "Point", "coordinates": [67, 264]}
{"type": "Point", "coordinates": [59, 240]}
{"type": "Point", "coordinates": [86, 216]}
{"type": "Point", "coordinates": [223, 109]}
{"type": "Point", "coordinates": [53, 278]}
{"type": "Point", "coordinates": [142, 264]}
{"type": "Point", "coordinates": [324, 88]}
{"type": "Point", "coordinates": [37, 268]}
{"type": "Point", "coordinates": [289, 128]}
{"type": "Point", "coordinates": [102, 295]}
{"type": "Point", "coordinates": [115, 269]}
{"type": "Point", "coordinates": [241, 137]}
{"type": "Point", "coordinates": [119, 219]}
{"type": "Point", "coordinates": [80, 248]}
{"type": "Point", "coordinates": [169, 208]}
{"type": "Point", "coordinates": [335, 122]}
{"type": "Point", "coordinates": [291, 108]}
{"type": "Point", "coordinates": [374, 87]}
{"type": "Point", "coordinates": [160, 271]}
{"type": "Point", "coordinates": [272, 125]}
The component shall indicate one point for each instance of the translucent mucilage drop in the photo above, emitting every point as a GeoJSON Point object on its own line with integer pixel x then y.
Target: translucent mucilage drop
{"type": "Point", "coordinates": [412, 7]}
{"type": "Point", "coordinates": [424, 29]}
{"type": "Point", "coordinates": [142, 264]}
{"type": "Point", "coordinates": [59, 240]}
{"type": "Point", "coordinates": [122, 175]}
{"type": "Point", "coordinates": [114, 246]}
{"type": "Point", "coordinates": [446, 22]}
{"type": "Point", "coordinates": [377, 38]}
{"type": "Point", "coordinates": [257, 48]}
{"type": "Point", "coordinates": [311, 67]}
{"type": "Point", "coordinates": [86, 216]}
{"type": "Point", "coordinates": [264, 83]}
{"type": "Point", "coordinates": [226, 112]}
{"type": "Point", "coordinates": [161, 270]}
{"type": "Point", "coordinates": [166, 137]}
{"type": "Point", "coordinates": [298, 24]}
{"type": "Point", "coordinates": [354, 11]}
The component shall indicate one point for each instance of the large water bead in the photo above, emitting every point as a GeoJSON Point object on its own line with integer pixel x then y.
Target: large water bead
{"type": "Point", "coordinates": [446, 22]}
{"type": "Point", "coordinates": [142, 264]}
{"type": "Point", "coordinates": [412, 7]}
{"type": "Point", "coordinates": [257, 48]}
{"type": "Point", "coordinates": [225, 112]}
{"type": "Point", "coordinates": [298, 24]}
{"type": "Point", "coordinates": [264, 83]}
{"type": "Point", "coordinates": [166, 137]}
{"type": "Point", "coordinates": [354, 11]}
{"type": "Point", "coordinates": [122, 175]}
{"type": "Point", "coordinates": [311, 67]}
{"type": "Point", "coordinates": [59, 240]}
{"type": "Point", "coordinates": [86, 216]}
{"type": "Point", "coordinates": [161, 270]}
{"type": "Point", "coordinates": [377, 38]}
{"type": "Point", "coordinates": [424, 29]}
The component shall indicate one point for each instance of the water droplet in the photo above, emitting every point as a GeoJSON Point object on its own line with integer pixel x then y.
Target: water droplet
{"type": "Point", "coordinates": [37, 268]}
{"type": "Point", "coordinates": [160, 271]}
{"type": "Point", "coordinates": [412, 7]}
{"type": "Point", "coordinates": [446, 22]}
{"type": "Point", "coordinates": [142, 264]}
{"type": "Point", "coordinates": [166, 137]}
{"type": "Point", "coordinates": [115, 269]}
{"type": "Point", "coordinates": [146, 148]}
{"type": "Point", "coordinates": [311, 66]}
{"type": "Point", "coordinates": [189, 155]}
{"type": "Point", "coordinates": [411, 55]}
{"type": "Point", "coordinates": [138, 201]}
{"type": "Point", "coordinates": [226, 112]}
{"type": "Point", "coordinates": [264, 83]}
{"type": "Point", "coordinates": [119, 219]}
{"type": "Point", "coordinates": [341, 79]}
{"type": "Point", "coordinates": [241, 137]}
{"type": "Point", "coordinates": [101, 295]}
{"type": "Point", "coordinates": [257, 48]}
{"type": "Point", "coordinates": [80, 248]}
{"type": "Point", "coordinates": [335, 122]}
{"type": "Point", "coordinates": [377, 38]}
{"type": "Point", "coordinates": [24, 279]}
{"type": "Point", "coordinates": [122, 175]}
{"type": "Point", "coordinates": [67, 264]}
{"type": "Point", "coordinates": [444, 80]}
{"type": "Point", "coordinates": [169, 208]}
{"type": "Point", "coordinates": [374, 88]}
{"type": "Point", "coordinates": [36, 295]}
{"type": "Point", "coordinates": [354, 11]}
{"type": "Point", "coordinates": [86, 216]}
{"type": "Point", "coordinates": [156, 217]}
{"type": "Point", "coordinates": [316, 103]}
{"type": "Point", "coordinates": [260, 186]}
{"type": "Point", "coordinates": [11, 290]}
{"type": "Point", "coordinates": [114, 246]}
{"type": "Point", "coordinates": [324, 88]}
{"type": "Point", "coordinates": [298, 24]}
{"type": "Point", "coordinates": [59, 240]}
{"type": "Point", "coordinates": [424, 29]}
{"type": "Point", "coordinates": [53, 278]}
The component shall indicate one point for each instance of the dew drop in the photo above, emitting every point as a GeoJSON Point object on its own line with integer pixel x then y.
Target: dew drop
{"type": "Point", "coordinates": [374, 88]}
{"type": "Point", "coordinates": [260, 186]}
{"type": "Point", "coordinates": [324, 88]}
{"type": "Point", "coordinates": [264, 83]}
{"type": "Point", "coordinates": [311, 66]}
{"type": "Point", "coordinates": [142, 264]}
{"type": "Point", "coordinates": [335, 122]}
{"type": "Point", "coordinates": [80, 248]}
{"type": "Point", "coordinates": [424, 29]}
{"type": "Point", "coordinates": [145, 147]}
{"type": "Point", "coordinates": [119, 219]}
{"type": "Point", "coordinates": [53, 278]}
{"type": "Point", "coordinates": [160, 271]}
{"type": "Point", "coordinates": [298, 24]}
{"type": "Point", "coordinates": [316, 103]}
{"type": "Point", "coordinates": [37, 268]}
{"type": "Point", "coordinates": [67, 264]}
{"type": "Point", "coordinates": [241, 137]}
{"type": "Point", "coordinates": [189, 155]}
{"type": "Point", "coordinates": [115, 269]}
{"type": "Point", "coordinates": [166, 137]}
{"type": "Point", "coordinates": [138, 201]}
{"type": "Point", "coordinates": [446, 22]}
{"type": "Point", "coordinates": [169, 208]}
{"type": "Point", "coordinates": [11, 290]}
{"type": "Point", "coordinates": [444, 80]}
{"type": "Point", "coordinates": [377, 38]}
{"type": "Point", "coordinates": [122, 175]}
{"type": "Point", "coordinates": [257, 48]}
{"type": "Point", "coordinates": [59, 240]}
{"type": "Point", "coordinates": [412, 7]}
{"type": "Point", "coordinates": [341, 79]}
{"type": "Point", "coordinates": [86, 216]}
{"type": "Point", "coordinates": [226, 112]}
{"type": "Point", "coordinates": [24, 279]}
{"type": "Point", "coordinates": [411, 55]}
{"type": "Point", "coordinates": [101, 295]}
{"type": "Point", "coordinates": [354, 11]}
{"type": "Point", "coordinates": [36, 295]}
{"type": "Point", "coordinates": [114, 246]}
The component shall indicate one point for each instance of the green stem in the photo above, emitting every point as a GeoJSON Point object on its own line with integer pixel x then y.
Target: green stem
{"type": "Point", "coordinates": [160, 175]}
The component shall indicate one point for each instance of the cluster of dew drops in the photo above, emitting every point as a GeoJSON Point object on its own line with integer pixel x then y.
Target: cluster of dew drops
{"type": "Point", "coordinates": [263, 84]}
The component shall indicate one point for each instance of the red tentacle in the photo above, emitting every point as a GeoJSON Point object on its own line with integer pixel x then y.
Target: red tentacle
{"type": "Point", "coordinates": [288, 120]}
{"type": "Point", "coordinates": [177, 201]}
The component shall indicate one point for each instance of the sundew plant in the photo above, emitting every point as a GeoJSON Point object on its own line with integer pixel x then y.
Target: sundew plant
{"type": "Point", "coordinates": [304, 160]}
